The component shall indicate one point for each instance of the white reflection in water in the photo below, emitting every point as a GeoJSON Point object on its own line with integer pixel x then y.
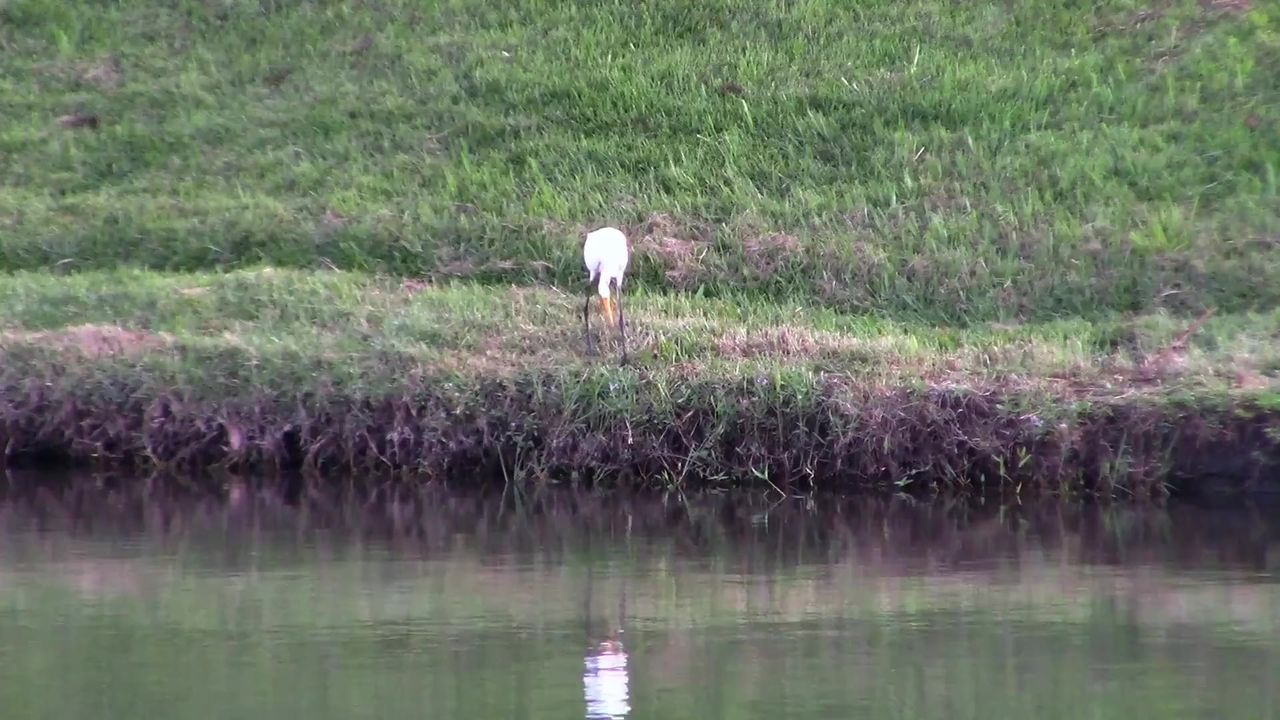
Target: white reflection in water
{"type": "Point", "coordinates": [604, 680]}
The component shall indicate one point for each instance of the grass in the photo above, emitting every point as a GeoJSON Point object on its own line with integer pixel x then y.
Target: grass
{"type": "Point", "coordinates": [352, 323]}
{"type": "Point", "coordinates": [920, 160]}
{"type": "Point", "coordinates": [328, 370]}
{"type": "Point", "coordinates": [363, 200]}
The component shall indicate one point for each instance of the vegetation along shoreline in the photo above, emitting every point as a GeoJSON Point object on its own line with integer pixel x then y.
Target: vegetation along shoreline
{"type": "Point", "coordinates": [873, 246]}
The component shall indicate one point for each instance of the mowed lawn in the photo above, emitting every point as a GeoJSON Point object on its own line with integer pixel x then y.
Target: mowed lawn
{"type": "Point", "coordinates": [1044, 199]}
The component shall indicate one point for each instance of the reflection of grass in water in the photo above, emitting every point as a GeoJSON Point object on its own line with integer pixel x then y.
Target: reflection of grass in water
{"type": "Point", "coordinates": [721, 619]}
{"type": "Point", "coordinates": [528, 581]}
{"type": "Point", "coordinates": [914, 646]}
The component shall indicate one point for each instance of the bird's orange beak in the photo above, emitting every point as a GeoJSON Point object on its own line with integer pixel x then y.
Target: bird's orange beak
{"type": "Point", "coordinates": [610, 311]}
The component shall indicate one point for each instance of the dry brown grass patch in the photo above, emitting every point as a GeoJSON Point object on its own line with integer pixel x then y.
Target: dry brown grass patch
{"type": "Point", "coordinates": [1227, 6]}
{"type": "Point", "coordinates": [1132, 21]}
{"type": "Point", "coordinates": [1172, 358]}
{"type": "Point", "coordinates": [456, 265]}
{"type": "Point", "coordinates": [413, 286]}
{"type": "Point", "coordinates": [92, 340]}
{"type": "Point", "coordinates": [767, 252]}
{"type": "Point", "coordinates": [786, 341]}
{"type": "Point", "coordinates": [774, 342]}
{"type": "Point", "coordinates": [678, 250]}
{"type": "Point", "coordinates": [105, 74]}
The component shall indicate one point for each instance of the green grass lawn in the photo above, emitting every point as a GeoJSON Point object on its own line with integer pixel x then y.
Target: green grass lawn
{"type": "Point", "coordinates": [917, 159]}
{"type": "Point", "coordinates": [364, 332]}
{"type": "Point", "coordinates": [1033, 197]}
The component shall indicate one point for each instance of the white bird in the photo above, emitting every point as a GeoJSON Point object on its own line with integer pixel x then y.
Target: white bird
{"type": "Point", "coordinates": [606, 256]}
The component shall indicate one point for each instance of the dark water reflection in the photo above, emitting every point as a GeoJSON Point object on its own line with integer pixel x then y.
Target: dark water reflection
{"type": "Point", "coordinates": [121, 604]}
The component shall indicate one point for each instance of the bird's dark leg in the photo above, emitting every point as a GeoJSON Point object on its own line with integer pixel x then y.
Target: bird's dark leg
{"type": "Point", "coordinates": [622, 323]}
{"type": "Point", "coordinates": [586, 319]}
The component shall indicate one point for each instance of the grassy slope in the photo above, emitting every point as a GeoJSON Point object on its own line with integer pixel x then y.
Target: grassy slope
{"type": "Point", "coordinates": [1024, 197]}
{"type": "Point", "coordinates": [926, 159]}
{"type": "Point", "coordinates": [352, 323]}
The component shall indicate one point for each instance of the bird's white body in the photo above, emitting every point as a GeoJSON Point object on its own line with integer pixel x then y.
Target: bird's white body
{"type": "Point", "coordinates": [605, 255]}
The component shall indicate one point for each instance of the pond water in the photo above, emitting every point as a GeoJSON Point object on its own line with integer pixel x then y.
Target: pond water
{"type": "Point", "coordinates": [438, 605]}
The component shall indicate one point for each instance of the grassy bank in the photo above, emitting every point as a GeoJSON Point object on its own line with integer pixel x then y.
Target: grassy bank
{"type": "Point", "coordinates": [876, 244]}
{"type": "Point", "coordinates": [341, 371]}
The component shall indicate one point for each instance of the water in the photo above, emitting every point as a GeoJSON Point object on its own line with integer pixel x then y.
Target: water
{"type": "Point", "coordinates": [123, 606]}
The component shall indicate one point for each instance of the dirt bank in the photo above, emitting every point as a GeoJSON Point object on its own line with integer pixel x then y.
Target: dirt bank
{"type": "Point", "coordinates": [704, 432]}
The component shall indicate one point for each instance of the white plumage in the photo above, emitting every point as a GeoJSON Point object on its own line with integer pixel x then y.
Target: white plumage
{"type": "Point", "coordinates": [605, 255]}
